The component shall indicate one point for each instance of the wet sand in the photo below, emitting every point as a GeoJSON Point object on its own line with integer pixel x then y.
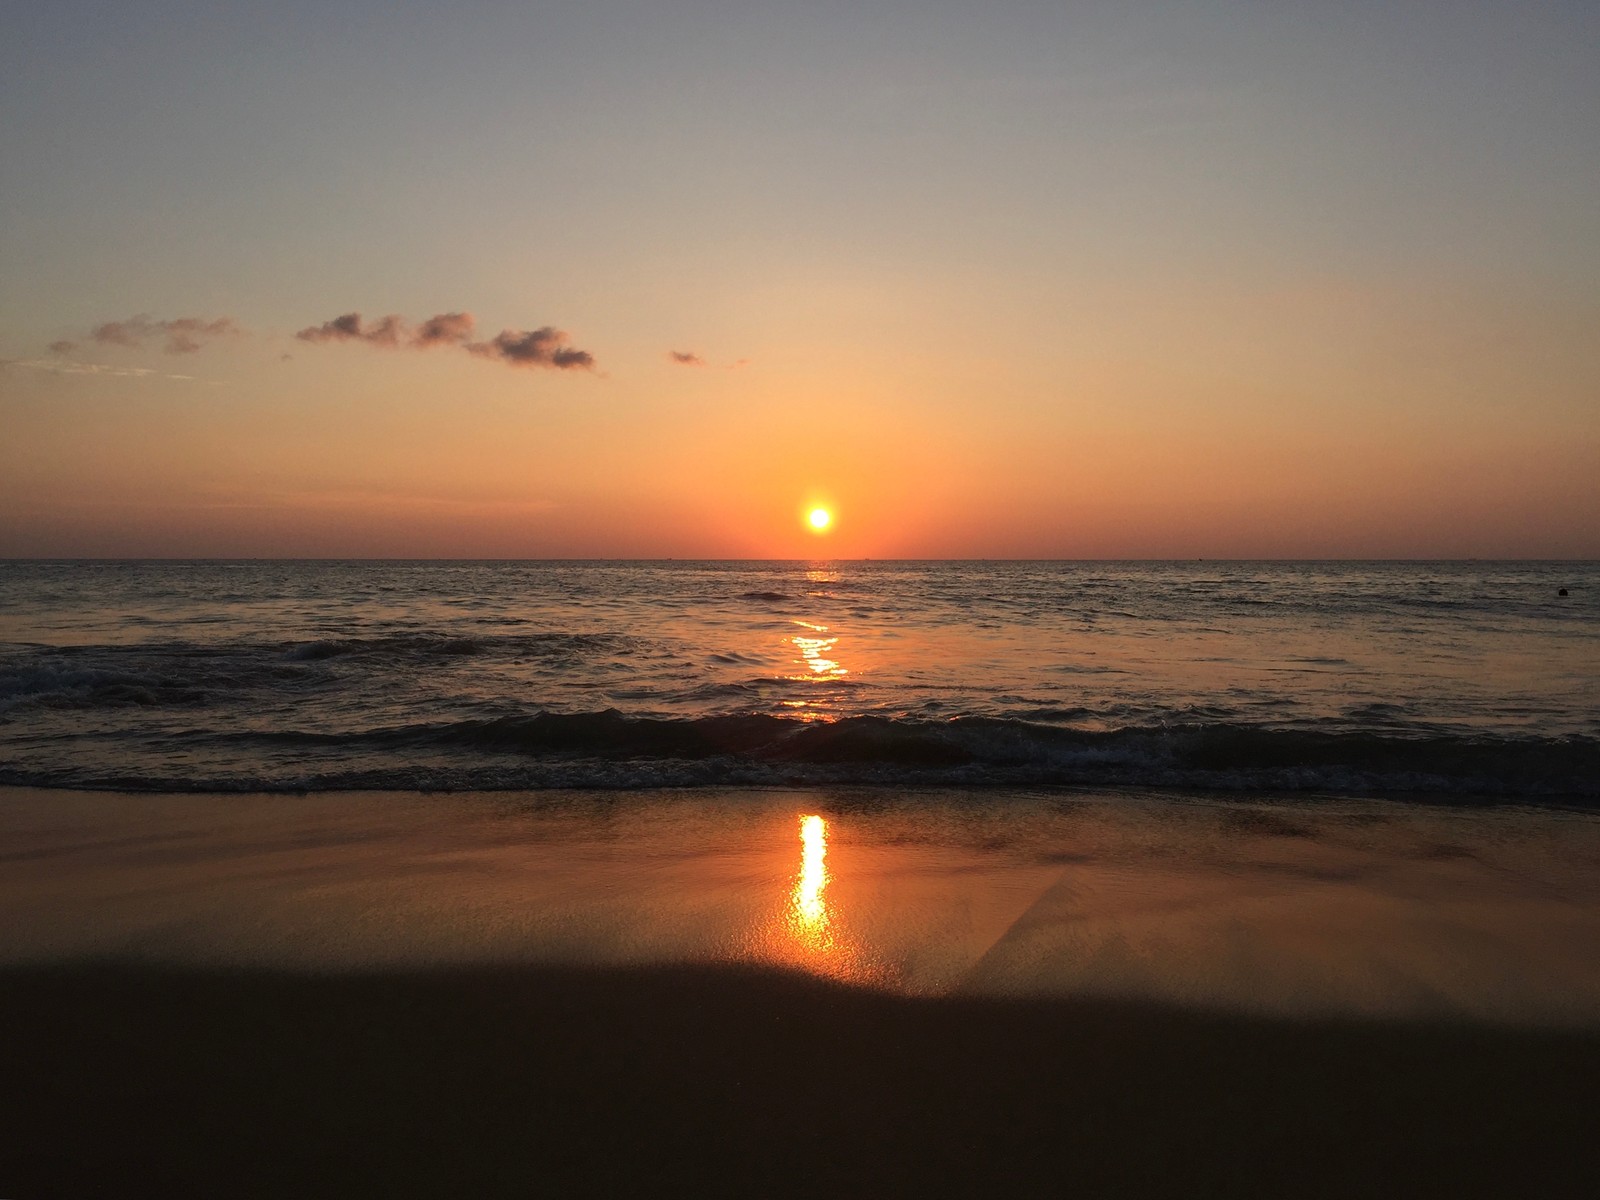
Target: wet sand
{"type": "Point", "coordinates": [939, 994]}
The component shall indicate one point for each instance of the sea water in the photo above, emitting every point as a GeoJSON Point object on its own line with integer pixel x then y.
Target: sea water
{"type": "Point", "coordinates": [1466, 680]}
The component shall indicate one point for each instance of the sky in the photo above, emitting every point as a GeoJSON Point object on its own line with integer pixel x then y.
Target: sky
{"type": "Point", "coordinates": [1011, 279]}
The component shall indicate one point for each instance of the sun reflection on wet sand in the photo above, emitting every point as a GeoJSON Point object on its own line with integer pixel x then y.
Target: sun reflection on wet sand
{"type": "Point", "coordinates": [808, 932]}
{"type": "Point", "coordinates": [809, 910]}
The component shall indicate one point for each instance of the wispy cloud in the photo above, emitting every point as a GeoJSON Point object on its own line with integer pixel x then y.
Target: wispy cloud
{"type": "Point", "coordinates": [376, 499]}
{"type": "Point", "coordinates": [58, 366]}
{"type": "Point", "coordinates": [688, 358]}
{"type": "Point", "coordinates": [543, 347]}
{"type": "Point", "coordinates": [182, 335]}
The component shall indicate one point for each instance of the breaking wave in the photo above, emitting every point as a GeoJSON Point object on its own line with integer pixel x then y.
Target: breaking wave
{"type": "Point", "coordinates": [609, 749]}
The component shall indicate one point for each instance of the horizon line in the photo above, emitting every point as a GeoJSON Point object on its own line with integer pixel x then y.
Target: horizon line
{"type": "Point", "coordinates": [691, 559]}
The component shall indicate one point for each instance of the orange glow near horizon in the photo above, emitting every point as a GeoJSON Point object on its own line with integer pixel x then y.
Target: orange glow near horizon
{"type": "Point", "coordinates": [1029, 481]}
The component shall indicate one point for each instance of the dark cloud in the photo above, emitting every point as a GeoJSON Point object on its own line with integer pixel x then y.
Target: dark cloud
{"type": "Point", "coordinates": [685, 358]}
{"type": "Point", "coordinates": [336, 330]}
{"type": "Point", "coordinates": [184, 335]}
{"type": "Point", "coordinates": [447, 329]}
{"type": "Point", "coordinates": [543, 347]}
{"type": "Point", "coordinates": [386, 331]}
{"type": "Point", "coordinates": [122, 333]}
{"type": "Point", "coordinates": [63, 347]}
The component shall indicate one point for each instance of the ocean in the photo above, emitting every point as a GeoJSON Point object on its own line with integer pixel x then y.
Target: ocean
{"type": "Point", "coordinates": [1463, 681]}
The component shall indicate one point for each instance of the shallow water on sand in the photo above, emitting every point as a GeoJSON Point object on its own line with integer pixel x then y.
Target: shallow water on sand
{"type": "Point", "coordinates": [1338, 907]}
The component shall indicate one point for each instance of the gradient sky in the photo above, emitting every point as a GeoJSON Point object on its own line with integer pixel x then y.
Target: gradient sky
{"type": "Point", "coordinates": [991, 280]}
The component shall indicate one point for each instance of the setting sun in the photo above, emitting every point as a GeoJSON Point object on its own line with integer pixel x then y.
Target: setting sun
{"type": "Point", "coordinates": [819, 519]}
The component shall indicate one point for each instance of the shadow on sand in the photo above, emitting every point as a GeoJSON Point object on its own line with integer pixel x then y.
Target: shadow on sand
{"type": "Point", "coordinates": [126, 1080]}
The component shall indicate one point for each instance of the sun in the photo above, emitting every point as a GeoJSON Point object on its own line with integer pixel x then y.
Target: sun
{"type": "Point", "coordinates": [819, 519]}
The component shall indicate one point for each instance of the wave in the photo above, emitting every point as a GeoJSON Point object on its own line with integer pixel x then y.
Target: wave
{"type": "Point", "coordinates": [608, 749]}
{"type": "Point", "coordinates": [420, 644]}
{"type": "Point", "coordinates": [156, 674]}
{"type": "Point", "coordinates": [69, 686]}
{"type": "Point", "coordinates": [426, 645]}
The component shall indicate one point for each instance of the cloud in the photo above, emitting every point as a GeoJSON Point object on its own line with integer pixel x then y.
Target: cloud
{"type": "Point", "coordinates": [543, 347]}
{"type": "Point", "coordinates": [349, 328]}
{"type": "Point", "coordinates": [337, 330]}
{"type": "Point", "coordinates": [184, 335]}
{"type": "Point", "coordinates": [447, 329]}
{"type": "Point", "coordinates": [688, 358]}
{"type": "Point", "coordinates": [58, 366]}
{"type": "Point", "coordinates": [122, 333]}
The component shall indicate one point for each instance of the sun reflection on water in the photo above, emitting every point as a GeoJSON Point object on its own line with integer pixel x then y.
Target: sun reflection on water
{"type": "Point", "coordinates": [815, 651]}
{"type": "Point", "coordinates": [818, 664]}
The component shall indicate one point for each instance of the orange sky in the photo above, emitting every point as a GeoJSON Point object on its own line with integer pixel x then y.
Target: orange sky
{"type": "Point", "coordinates": [1145, 281]}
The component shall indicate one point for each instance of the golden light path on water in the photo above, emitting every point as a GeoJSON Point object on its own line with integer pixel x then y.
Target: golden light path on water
{"type": "Point", "coordinates": [816, 658]}
{"type": "Point", "coordinates": [814, 652]}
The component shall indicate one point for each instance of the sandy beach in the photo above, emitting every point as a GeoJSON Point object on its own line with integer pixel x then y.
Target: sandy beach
{"type": "Point", "coordinates": [767, 993]}
{"type": "Point", "coordinates": [515, 1081]}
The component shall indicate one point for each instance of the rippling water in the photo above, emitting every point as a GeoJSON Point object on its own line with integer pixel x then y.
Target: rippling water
{"type": "Point", "coordinates": [1454, 678]}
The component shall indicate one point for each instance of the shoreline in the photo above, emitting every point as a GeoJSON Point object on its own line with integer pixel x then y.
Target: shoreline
{"type": "Point", "coordinates": [1578, 803]}
{"type": "Point", "coordinates": [1326, 909]}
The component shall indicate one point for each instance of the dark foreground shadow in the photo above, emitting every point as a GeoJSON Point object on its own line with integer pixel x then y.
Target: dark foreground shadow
{"type": "Point", "coordinates": [140, 1081]}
